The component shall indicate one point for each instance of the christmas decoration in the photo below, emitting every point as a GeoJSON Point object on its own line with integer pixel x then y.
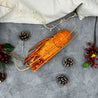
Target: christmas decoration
{"type": "Point", "coordinates": [5, 59]}
{"type": "Point", "coordinates": [68, 62]}
{"type": "Point", "coordinates": [2, 77]}
{"type": "Point", "coordinates": [24, 36]}
{"type": "Point", "coordinates": [62, 79]}
{"type": "Point", "coordinates": [92, 52]}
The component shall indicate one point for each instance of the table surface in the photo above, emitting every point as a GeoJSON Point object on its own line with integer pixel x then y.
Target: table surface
{"type": "Point", "coordinates": [83, 83]}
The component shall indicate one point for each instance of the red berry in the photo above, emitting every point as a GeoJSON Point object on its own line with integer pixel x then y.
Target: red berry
{"type": "Point", "coordinates": [5, 55]}
{"type": "Point", "coordinates": [94, 63]}
{"type": "Point", "coordinates": [92, 66]}
{"type": "Point", "coordinates": [89, 43]}
{"type": "Point", "coordinates": [6, 59]}
{"type": "Point", "coordinates": [2, 60]}
{"type": "Point", "coordinates": [0, 56]}
{"type": "Point", "coordinates": [6, 62]}
{"type": "Point", "coordinates": [95, 66]}
{"type": "Point", "coordinates": [95, 48]}
{"type": "Point", "coordinates": [86, 49]}
{"type": "Point", "coordinates": [96, 58]}
{"type": "Point", "coordinates": [91, 62]}
{"type": "Point", "coordinates": [95, 53]}
{"type": "Point", "coordinates": [87, 62]}
{"type": "Point", "coordinates": [92, 51]}
{"type": "Point", "coordinates": [86, 57]}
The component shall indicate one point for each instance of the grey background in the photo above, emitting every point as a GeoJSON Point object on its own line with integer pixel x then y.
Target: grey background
{"type": "Point", "coordinates": [83, 83]}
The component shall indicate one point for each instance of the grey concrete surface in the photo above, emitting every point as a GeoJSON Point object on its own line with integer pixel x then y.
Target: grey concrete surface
{"type": "Point", "coordinates": [83, 83]}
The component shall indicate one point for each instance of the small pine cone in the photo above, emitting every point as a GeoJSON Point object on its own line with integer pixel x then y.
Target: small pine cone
{"type": "Point", "coordinates": [68, 62]}
{"type": "Point", "coordinates": [24, 36]}
{"type": "Point", "coordinates": [2, 77]}
{"type": "Point", "coordinates": [62, 79]}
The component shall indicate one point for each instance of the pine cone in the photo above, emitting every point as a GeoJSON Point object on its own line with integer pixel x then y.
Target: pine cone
{"type": "Point", "coordinates": [2, 77]}
{"type": "Point", "coordinates": [24, 36]}
{"type": "Point", "coordinates": [68, 62]}
{"type": "Point", "coordinates": [62, 79]}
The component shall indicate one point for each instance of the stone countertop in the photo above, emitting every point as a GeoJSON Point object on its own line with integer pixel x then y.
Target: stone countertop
{"type": "Point", "coordinates": [83, 83]}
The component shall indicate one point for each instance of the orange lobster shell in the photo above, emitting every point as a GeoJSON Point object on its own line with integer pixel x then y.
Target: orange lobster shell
{"type": "Point", "coordinates": [47, 49]}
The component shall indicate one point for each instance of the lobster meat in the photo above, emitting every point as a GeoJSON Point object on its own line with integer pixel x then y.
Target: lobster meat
{"type": "Point", "coordinates": [47, 49]}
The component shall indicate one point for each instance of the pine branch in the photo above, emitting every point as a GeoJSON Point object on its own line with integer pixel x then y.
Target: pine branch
{"type": "Point", "coordinates": [94, 45]}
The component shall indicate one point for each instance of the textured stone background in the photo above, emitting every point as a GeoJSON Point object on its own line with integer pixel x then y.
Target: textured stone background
{"type": "Point", "coordinates": [83, 83]}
